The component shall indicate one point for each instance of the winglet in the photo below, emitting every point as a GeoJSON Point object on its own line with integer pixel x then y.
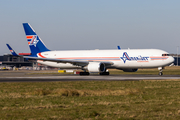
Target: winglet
{"type": "Point", "coordinates": [118, 47]}
{"type": "Point", "coordinates": [11, 50]}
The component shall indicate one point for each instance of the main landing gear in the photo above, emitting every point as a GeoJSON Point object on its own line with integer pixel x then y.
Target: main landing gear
{"type": "Point", "coordinates": [84, 73]}
{"type": "Point", "coordinates": [104, 73]}
{"type": "Point", "coordinates": [87, 73]}
{"type": "Point", "coordinates": [160, 71]}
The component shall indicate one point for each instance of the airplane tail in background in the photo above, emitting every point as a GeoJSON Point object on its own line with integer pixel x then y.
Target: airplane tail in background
{"type": "Point", "coordinates": [35, 43]}
{"type": "Point", "coordinates": [11, 50]}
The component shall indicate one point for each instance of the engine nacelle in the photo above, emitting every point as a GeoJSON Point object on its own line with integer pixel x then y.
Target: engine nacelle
{"type": "Point", "coordinates": [130, 70]}
{"type": "Point", "coordinates": [96, 67]}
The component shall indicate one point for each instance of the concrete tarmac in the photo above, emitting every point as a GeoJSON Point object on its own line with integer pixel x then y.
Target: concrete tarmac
{"type": "Point", "coordinates": [86, 78]}
{"type": "Point", "coordinates": [33, 76]}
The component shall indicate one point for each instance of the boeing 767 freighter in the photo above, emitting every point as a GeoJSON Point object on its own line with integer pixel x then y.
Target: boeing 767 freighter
{"type": "Point", "coordinates": [95, 61]}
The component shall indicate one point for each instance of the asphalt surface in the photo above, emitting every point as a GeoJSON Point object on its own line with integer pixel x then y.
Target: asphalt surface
{"type": "Point", "coordinates": [26, 76]}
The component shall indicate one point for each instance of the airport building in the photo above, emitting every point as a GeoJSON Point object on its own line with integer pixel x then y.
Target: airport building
{"type": "Point", "coordinates": [8, 61]}
{"type": "Point", "coordinates": [176, 62]}
{"type": "Point", "coordinates": [11, 61]}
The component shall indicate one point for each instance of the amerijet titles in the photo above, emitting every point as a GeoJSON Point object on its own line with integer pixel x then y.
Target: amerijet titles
{"type": "Point", "coordinates": [139, 58]}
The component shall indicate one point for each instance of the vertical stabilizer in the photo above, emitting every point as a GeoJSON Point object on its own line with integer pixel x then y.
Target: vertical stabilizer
{"type": "Point", "coordinates": [11, 50]}
{"type": "Point", "coordinates": [35, 43]}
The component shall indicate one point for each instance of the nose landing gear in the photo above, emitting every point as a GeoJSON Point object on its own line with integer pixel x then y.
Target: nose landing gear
{"type": "Point", "coordinates": [160, 71]}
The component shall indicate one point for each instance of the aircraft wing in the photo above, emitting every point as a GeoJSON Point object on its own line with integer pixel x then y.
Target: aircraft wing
{"type": "Point", "coordinates": [74, 62]}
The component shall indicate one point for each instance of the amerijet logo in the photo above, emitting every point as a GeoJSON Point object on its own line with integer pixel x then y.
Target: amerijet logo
{"type": "Point", "coordinates": [32, 40]}
{"type": "Point", "coordinates": [11, 51]}
{"type": "Point", "coordinates": [126, 57]}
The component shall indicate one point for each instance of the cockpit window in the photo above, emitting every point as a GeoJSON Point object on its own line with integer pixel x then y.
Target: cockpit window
{"type": "Point", "coordinates": [165, 54]}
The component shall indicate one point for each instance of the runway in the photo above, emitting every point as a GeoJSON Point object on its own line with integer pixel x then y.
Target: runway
{"type": "Point", "coordinates": [87, 78]}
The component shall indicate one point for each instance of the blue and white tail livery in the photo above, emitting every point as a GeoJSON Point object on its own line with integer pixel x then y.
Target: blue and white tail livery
{"type": "Point", "coordinates": [128, 60]}
{"type": "Point", "coordinates": [11, 50]}
{"type": "Point", "coordinates": [35, 43]}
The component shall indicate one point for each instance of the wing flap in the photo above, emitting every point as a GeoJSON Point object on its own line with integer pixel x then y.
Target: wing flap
{"type": "Point", "coordinates": [74, 62]}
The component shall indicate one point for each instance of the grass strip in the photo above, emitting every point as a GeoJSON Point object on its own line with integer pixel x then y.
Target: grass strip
{"type": "Point", "coordinates": [152, 99]}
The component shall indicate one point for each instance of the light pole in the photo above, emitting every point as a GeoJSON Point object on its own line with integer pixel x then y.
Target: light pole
{"type": "Point", "coordinates": [177, 54]}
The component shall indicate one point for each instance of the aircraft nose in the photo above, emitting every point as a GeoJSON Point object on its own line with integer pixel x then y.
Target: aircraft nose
{"type": "Point", "coordinates": [171, 59]}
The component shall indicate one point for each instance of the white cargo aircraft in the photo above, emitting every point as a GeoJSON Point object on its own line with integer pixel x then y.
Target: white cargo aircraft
{"type": "Point", "coordinates": [95, 61]}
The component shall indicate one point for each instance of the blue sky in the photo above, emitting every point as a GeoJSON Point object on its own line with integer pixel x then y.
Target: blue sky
{"type": "Point", "coordinates": [93, 24]}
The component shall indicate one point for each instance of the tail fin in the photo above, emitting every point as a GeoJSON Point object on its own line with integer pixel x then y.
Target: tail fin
{"type": "Point", "coordinates": [35, 43]}
{"type": "Point", "coordinates": [11, 50]}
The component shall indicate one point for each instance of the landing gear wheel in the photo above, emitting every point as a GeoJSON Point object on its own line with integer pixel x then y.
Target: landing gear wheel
{"type": "Point", "coordinates": [104, 73]}
{"type": "Point", "coordinates": [84, 73]}
{"type": "Point", "coordinates": [160, 73]}
{"type": "Point", "coordinates": [160, 70]}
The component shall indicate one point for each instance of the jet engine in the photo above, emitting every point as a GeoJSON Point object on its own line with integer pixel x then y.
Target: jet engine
{"type": "Point", "coordinates": [130, 70]}
{"type": "Point", "coordinates": [96, 67]}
